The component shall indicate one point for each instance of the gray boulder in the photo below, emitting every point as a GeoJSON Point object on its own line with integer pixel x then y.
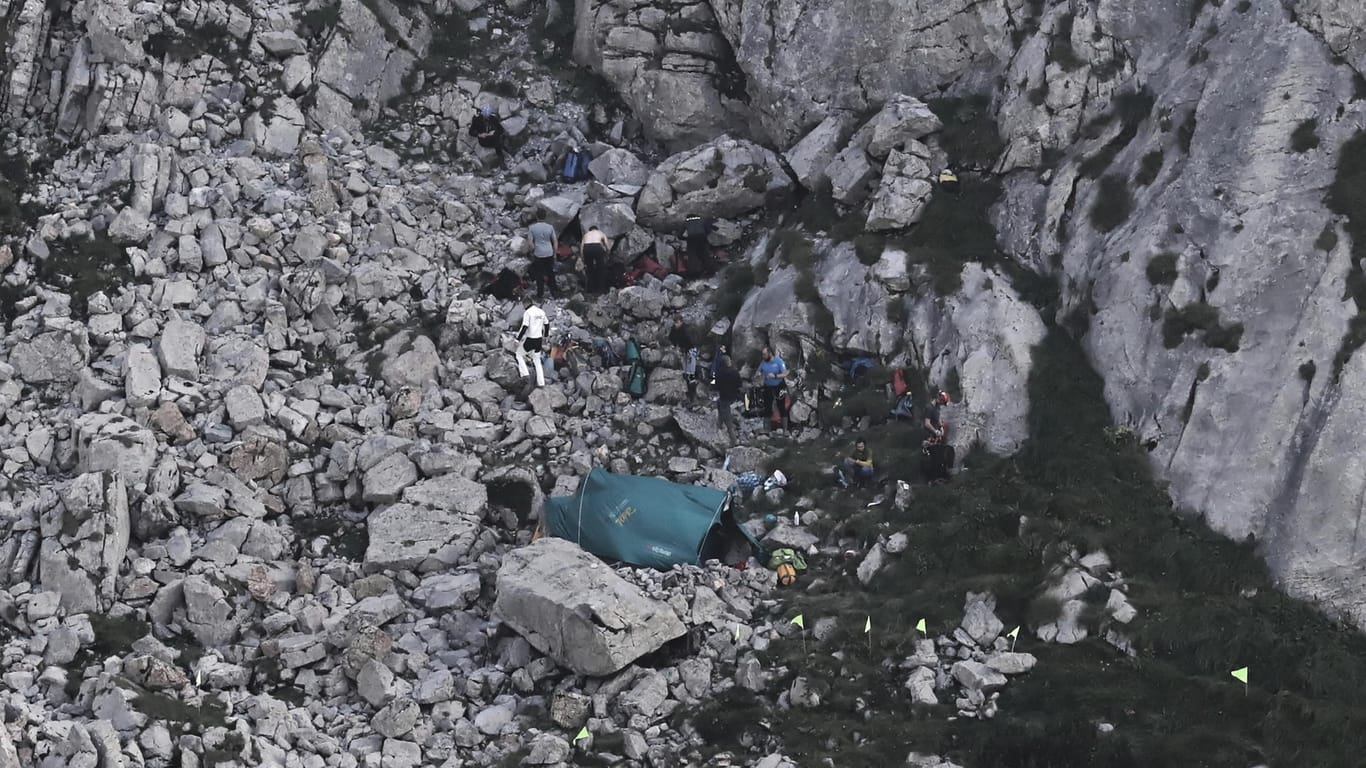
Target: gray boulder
{"type": "Point", "coordinates": [851, 175]}
{"type": "Point", "coordinates": [979, 618]}
{"type": "Point", "coordinates": [54, 356]}
{"type": "Point", "coordinates": [901, 122]}
{"type": "Point", "coordinates": [569, 605]}
{"type": "Point", "coordinates": [238, 360]}
{"type": "Point", "coordinates": [724, 178]}
{"type": "Point", "coordinates": [904, 192]}
{"type": "Point", "coordinates": [179, 347]}
{"type": "Point", "coordinates": [141, 377]}
{"type": "Point", "coordinates": [108, 441]}
{"type": "Point", "coordinates": [85, 538]}
{"type": "Point", "coordinates": [619, 167]}
{"type": "Point", "coordinates": [976, 676]}
{"type": "Point", "coordinates": [809, 157]}
{"type": "Point", "coordinates": [386, 481]}
{"type": "Point", "coordinates": [418, 538]}
{"type": "Point", "coordinates": [410, 360]}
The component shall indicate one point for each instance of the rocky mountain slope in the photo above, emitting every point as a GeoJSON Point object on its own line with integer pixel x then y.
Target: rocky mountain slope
{"type": "Point", "coordinates": [270, 475]}
{"type": "Point", "coordinates": [1172, 164]}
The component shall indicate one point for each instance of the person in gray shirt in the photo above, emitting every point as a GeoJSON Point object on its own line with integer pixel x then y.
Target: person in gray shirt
{"type": "Point", "coordinates": [544, 241]}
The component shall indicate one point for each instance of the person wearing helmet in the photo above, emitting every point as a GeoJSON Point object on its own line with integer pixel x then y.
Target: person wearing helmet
{"type": "Point", "coordinates": [487, 129]}
{"type": "Point", "coordinates": [948, 180]}
{"type": "Point", "coordinates": [936, 426]}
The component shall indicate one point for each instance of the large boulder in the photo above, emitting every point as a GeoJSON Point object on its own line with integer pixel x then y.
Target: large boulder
{"type": "Point", "coordinates": [365, 64]}
{"type": "Point", "coordinates": [675, 73]}
{"type": "Point", "coordinates": [809, 157]}
{"type": "Point", "coordinates": [724, 178]}
{"type": "Point", "coordinates": [108, 441]}
{"type": "Point", "coordinates": [85, 538]}
{"type": "Point", "coordinates": [53, 356]}
{"type": "Point", "coordinates": [410, 360]}
{"type": "Point", "coordinates": [237, 360]}
{"type": "Point", "coordinates": [179, 347]}
{"type": "Point", "coordinates": [423, 538]}
{"type": "Point", "coordinates": [569, 605]}
{"type": "Point", "coordinates": [905, 190]}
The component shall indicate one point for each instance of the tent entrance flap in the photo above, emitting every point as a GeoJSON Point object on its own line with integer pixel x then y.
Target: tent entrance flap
{"type": "Point", "coordinates": [644, 521]}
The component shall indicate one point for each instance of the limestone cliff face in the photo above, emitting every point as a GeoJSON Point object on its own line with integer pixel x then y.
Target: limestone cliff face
{"type": "Point", "coordinates": [1167, 162]}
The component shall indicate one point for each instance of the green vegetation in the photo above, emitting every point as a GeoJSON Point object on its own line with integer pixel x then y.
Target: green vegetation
{"type": "Point", "coordinates": [1346, 197]}
{"type": "Point", "coordinates": [1305, 136]}
{"type": "Point", "coordinates": [1131, 109]}
{"type": "Point", "coordinates": [1307, 371]}
{"type": "Point", "coordinates": [1162, 269]}
{"type": "Point", "coordinates": [970, 136]}
{"type": "Point", "coordinates": [1327, 239]}
{"type": "Point", "coordinates": [78, 268]}
{"type": "Point", "coordinates": [1060, 45]}
{"type": "Point", "coordinates": [736, 281]}
{"type": "Point", "coordinates": [1203, 319]}
{"type": "Point", "coordinates": [1148, 168]}
{"type": "Point", "coordinates": [1113, 203]}
{"type": "Point", "coordinates": [1207, 605]}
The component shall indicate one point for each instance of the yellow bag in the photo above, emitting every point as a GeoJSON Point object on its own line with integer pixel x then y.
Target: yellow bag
{"type": "Point", "coordinates": [787, 574]}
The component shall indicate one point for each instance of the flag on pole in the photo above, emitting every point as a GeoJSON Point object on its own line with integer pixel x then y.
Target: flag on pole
{"type": "Point", "coordinates": [1240, 675]}
{"type": "Point", "coordinates": [868, 624]}
{"type": "Point", "coordinates": [737, 633]}
{"type": "Point", "coordinates": [1014, 633]}
{"type": "Point", "coordinates": [920, 626]}
{"type": "Point", "coordinates": [583, 734]}
{"type": "Point", "coordinates": [799, 621]}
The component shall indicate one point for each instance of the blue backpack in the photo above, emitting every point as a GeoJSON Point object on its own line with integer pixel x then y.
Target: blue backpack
{"type": "Point", "coordinates": [576, 165]}
{"type": "Point", "coordinates": [855, 368]}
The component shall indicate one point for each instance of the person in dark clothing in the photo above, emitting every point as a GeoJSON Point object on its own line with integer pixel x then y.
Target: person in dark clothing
{"type": "Point", "coordinates": [695, 231]}
{"type": "Point", "coordinates": [487, 129]}
{"type": "Point", "coordinates": [727, 395]}
{"type": "Point", "coordinates": [936, 427]}
{"type": "Point", "coordinates": [680, 337]}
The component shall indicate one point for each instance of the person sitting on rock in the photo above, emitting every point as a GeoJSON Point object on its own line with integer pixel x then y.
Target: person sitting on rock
{"type": "Point", "coordinates": [487, 129]}
{"type": "Point", "coordinates": [936, 426]}
{"type": "Point", "coordinates": [858, 465]}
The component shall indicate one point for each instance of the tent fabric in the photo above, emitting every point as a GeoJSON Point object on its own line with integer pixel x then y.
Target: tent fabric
{"type": "Point", "coordinates": [643, 521]}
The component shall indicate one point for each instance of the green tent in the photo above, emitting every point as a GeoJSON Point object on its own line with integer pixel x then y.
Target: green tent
{"type": "Point", "coordinates": [648, 521]}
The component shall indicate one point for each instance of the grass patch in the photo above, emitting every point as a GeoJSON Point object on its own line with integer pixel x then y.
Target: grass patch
{"type": "Point", "coordinates": [1207, 605]}
{"type": "Point", "coordinates": [1131, 109]}
{"type": "Point", "coordinates": [1060, 48]}
{"type": "Point", "coordinates": [1346, 197]}
{"type": "Point", "coordinates": [954, 230]}
{"type": "Point", "coordinates": [970, 137]}
{"type": "Point", "coordinates": [1162, 270]}
{"type": "Point", "coordinates": [736, 281]}
{"type": "Point", "coordinates": [1327, 239]}
{"type": "Point", "coordinates": [1113, 203]}
{"type": "Point", "coordinates": [81, 268]}
{"type": "Point", "coordinates": [1305, 136]}
{"type": "Point", "coordinates": [1148, 168]}
{"type": "Point", "coordinates": [1202, 319]}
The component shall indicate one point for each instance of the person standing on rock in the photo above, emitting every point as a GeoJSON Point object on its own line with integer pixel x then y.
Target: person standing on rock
{"type": "Point", "coordinates": [487, 129]}
{"type": "Point", "coordinates": [680, 337]}
{"type": "Point", "coordinates": [544, 242]}
{"type": "Point", "coordinates": [595, 247]}
{"type": "Point", "coordinates": [531, 339]}
{"type": "Point", "coordinates": [936, 426]}
{"type": "Point", "coordinates": [727, 395]}
{"type": "Point", "coordinates": [773, 371]}
{"type": "Point", "coordinates": [695, 231]}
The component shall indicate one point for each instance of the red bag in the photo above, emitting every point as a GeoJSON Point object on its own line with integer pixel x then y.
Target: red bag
{"type": "Point", "coordinates": [653, 267]}
{"type": "Point", "coordinates": [899, 382]}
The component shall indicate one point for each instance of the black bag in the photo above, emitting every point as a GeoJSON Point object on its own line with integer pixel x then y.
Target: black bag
{"type": "Point", "coordinates": [753, 406]}
{"type": "Point", "coordinates": [936, 462]}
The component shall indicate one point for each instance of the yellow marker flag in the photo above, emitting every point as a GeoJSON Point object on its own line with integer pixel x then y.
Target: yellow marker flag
{"type": "Point", "coordinates": [920, 626]}
{"type": "Point", "coordinates": [1014, 633]}
{"type": "Point", "coordinates": [583, 734]}
{"type": "Point", "coordinates": [1240, 675]}
{"type": "Point", "coordinates": [799, 621]}
{"type": "Point", "coordinates": [868, 624]}
{"type": "Point", "coordinates": [737, 633]}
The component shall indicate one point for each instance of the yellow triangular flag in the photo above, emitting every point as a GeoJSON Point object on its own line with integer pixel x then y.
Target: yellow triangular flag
{"type": "Point", "coordinates": [583, 734]}
{"type": "Point", "coordinates": [920, 626]}
{"type": "Point", "coordinates": [1240, 675]}
{"type": "Point", "coordinates": [1014, 633]}
{"type": "Point", "coordinates": [868, 624]}
{"type": "Point", "coordinates": [799, 622]}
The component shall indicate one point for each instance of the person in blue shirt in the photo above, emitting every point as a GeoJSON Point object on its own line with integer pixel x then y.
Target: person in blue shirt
{"type": "Point", "coordinates": [774, 373]}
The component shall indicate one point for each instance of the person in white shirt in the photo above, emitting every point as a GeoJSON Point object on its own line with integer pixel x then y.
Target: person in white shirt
{"type": "Point", "coordinates": [530, 340]}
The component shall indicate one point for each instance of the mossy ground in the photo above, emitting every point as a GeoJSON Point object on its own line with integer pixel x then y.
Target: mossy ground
{"type": "Point", "coordinates": [1207, 606]}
